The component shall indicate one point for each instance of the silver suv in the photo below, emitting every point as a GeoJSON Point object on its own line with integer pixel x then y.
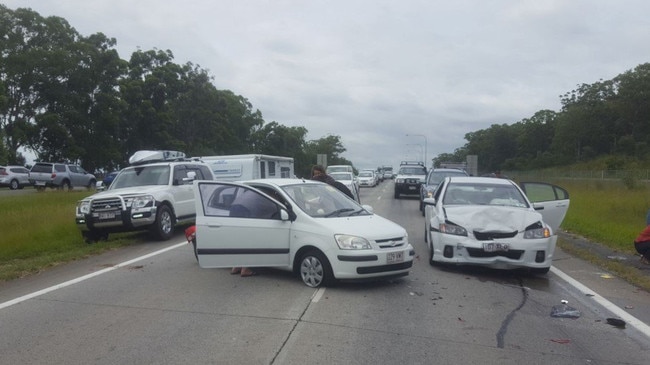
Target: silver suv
{"type": "Point", "coordinates": [154, 194]}
{"type": "Point", "coordinates": [15, 177]}
{"type": "Point", "coordinates": [60, 175]}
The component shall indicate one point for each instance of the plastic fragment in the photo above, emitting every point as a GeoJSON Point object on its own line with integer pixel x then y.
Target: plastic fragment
{"type": "Point", "coordinates": [616, 322]}
{"type": "Point", "coordinates": [565, 311]}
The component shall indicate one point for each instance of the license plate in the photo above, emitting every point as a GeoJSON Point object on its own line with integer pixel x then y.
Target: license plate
{"type": "Point", "coordinates": [393, 257]}
{"type": "Point", "coordinates": [108, 215]}
{"type": "Point", "coordinates": [412, 187]}
{"type": "Point", "coordinates": [38, 183]}
{"type": "Point", "coordinates": [495, 246]}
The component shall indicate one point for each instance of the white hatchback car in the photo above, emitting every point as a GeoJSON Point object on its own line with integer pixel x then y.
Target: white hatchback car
{"type": "Point", "coordinates": [491, 222]}
{"type": "Point", "coordinates": [307, 227]}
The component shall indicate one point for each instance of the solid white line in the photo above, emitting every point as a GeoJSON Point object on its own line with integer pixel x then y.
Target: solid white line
{"type": "Point", "coordinates": [317, 295]}
{"type": "Point", "coordinates": [86, 277]}
{"type": "Point", "coordinates": [618, 311]}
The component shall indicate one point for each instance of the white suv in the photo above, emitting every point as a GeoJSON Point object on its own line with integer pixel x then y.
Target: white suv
{"type": "Point", "coordinates": [154, 194]}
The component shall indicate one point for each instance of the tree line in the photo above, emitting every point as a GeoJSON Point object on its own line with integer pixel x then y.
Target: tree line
{"type": "Point", "coordinates": [68, 97]}
{"type": "Point", "coordinates": [606, 118]}
{"type": "Point", "coordinates": [71, 98]}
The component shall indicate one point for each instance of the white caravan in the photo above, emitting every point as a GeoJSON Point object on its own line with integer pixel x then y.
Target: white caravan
{"type": "Point", "coordinates": [248, 167]}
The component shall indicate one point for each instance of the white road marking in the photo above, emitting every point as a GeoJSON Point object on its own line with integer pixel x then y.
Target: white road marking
{"type": "Point", "coordinates": [622, 314]}
{"type": "Point", "coordinates": [616, 310]}
{"type": "Point", "coordinates": [86, 277]}
{"type": "Point", "coordinates": [317, 295]}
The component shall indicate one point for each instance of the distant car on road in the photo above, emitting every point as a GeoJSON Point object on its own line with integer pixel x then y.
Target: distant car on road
{"type": "Point", "coordinates": [434, 177]}
{"type": "Point", "coordinates": [60, 175]}
{"type": "Point", "coordinates": [107, 180]}
{"type": "Point", "coordinates": [491, 222]}
{"type": "Point", "coordinates": [347, 179]}
{"type": "Point", "coordinates": [367, 178]}
{"type": "Point", "coordinates": [15, 177]}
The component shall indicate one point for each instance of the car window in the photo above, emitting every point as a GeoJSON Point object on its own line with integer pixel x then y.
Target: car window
{"type": "Point", "coordinates": [484, 194]}
{"type": "Point", "coordinates": [141, 176]}
{"type": "Point", "coordinates": [59, 168]}
{"type": "Point", "coordinates": [322, 200]}
{"type": "Point", "coordinates": [73, 168]}
{"type": "Point", "coordinates": [47, 168]}
{"type": "Point", "coordinates": [436, 176]}
{"type": "Point", "coordinates": [236, 202]}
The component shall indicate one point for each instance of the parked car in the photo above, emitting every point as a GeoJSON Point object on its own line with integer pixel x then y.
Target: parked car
{"type": "Point", "coordinates": [154, 193]}
{"type": "Point", "coordinates": [434, 177]}
{"type": "Point", "coordinates": [15, 177]}
{"type": "Point", "coordinates": [347, 179]}
{"type": "Point", "coordinates": [367, 178]}
{"type": "Point", "coordinates": [60, 175]}
{"type": "Point", "coordinates": [491, 222]}
{"type": "Point", "coordinates": [303, 226]}
{"type": "Point", "coordinates": [107, 180]}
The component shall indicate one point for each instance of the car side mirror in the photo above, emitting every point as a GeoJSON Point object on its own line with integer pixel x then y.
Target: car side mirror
{"type": "Point", "coordinates": [368, 208]}
{"type": "Point", "coordinates": [429, 201]}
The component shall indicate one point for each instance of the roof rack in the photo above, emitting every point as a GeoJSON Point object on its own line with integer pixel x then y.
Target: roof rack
{"type": "Point", "coordinates": [420, 163]}
{"type": "Point", "coordinates": [149, 156]}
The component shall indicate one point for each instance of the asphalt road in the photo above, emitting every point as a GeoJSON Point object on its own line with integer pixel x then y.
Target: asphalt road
{"type": "Point", "coordinates": [142, 306]}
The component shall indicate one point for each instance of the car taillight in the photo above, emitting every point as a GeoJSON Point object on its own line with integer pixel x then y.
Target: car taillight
{"type": "Point", "coordinates": [3, 172]}
{"type": "Point", "coordinates": [53, 175]}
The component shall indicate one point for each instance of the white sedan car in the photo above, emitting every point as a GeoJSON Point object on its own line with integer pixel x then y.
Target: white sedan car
{"type": "Point", "coordinates": [491, 222]}
{"type": "Point", "coordinates": [307, 227]}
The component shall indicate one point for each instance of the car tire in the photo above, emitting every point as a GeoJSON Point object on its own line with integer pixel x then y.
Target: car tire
{"type": "Point", "coordinates": [163, 227]}
{"type": "Point", "coordinates": [396, 195]}
{"type": "Point", "coordinates": [13, 185]}
{"type": "Point", "coordinates": [196, 253]}
{"type": "Point", "coordinates": [315, 270]}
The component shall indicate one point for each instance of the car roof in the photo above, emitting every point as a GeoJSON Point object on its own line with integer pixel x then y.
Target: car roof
{"type": "Point", "coordinates": [446, 169]}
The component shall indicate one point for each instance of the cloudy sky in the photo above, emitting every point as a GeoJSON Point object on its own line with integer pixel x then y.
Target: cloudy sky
{"type": "Point", "coordinates": [373, 71]}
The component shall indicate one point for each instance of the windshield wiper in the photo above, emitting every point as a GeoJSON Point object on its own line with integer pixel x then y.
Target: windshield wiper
{"type": "Point", "coordinates": [338, 212]}
{"type": "Point", "coordinates": [357, 212]}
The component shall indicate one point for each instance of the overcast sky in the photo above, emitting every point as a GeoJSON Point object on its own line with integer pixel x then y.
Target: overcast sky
{"type": "Point", "coordinates": [373, 71]}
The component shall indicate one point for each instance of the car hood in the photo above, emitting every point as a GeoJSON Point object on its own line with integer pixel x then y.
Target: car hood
{"type": "Point", "coordinates": [135, 190]}
{"type": "Point", "coordinates": [368, 226]}
{"type": "Point", "coordinates": [492, 218]}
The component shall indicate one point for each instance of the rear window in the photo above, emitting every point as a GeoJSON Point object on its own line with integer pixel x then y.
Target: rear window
{"type": "Point", "coordinates": [39, 167]}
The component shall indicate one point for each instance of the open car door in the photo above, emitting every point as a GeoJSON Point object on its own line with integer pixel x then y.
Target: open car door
{"type": "Point", "coordinates": [237, 225]}
{"type": "Point", "coordinates": [550, 200]}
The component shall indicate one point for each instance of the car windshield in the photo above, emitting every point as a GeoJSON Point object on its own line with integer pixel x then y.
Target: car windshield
{"type": "Point", "coordinates": [365, 174]}
{"type": "Point", "coordinates": [436, 176]}
{"type": "Point", "coordinates": [341, 176]}
{"type": "Point", "coordinates": [141, 176]}
{"type": "Point", "coordinates": [322, 200]}
{"type": "Point", "coordinates": [412, 171]}
{"type": "Point", "coordinates": [484, 194]}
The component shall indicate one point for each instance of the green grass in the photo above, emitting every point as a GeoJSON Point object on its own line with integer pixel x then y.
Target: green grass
{"type": "Point", "coordinates": [606, 211]}
{"type": "Point", "coordinates": [38, 232]}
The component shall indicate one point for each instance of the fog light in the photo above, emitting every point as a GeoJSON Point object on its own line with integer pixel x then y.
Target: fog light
{"type": "Point", "coordinates": [448, 251]}
{"type": "Point", "coordinates": [540, 256]}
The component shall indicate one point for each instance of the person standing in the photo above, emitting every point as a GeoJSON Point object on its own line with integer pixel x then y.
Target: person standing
{"type": "Point", "coordinates": [318, 173]}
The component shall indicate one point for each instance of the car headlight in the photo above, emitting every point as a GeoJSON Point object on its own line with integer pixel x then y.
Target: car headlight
{"type": "Point", "coordinates": [83, 207]}
{"type": "Point", "coordinates": [450, 228]}
{"type": "Point", "coordinates": [143, 201]}
{"type": "Point", "coordinates": [348, 242]}
{"type": "Point", "coordinates": [537, 230]}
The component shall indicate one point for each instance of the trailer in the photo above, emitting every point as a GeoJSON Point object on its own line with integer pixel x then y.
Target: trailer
{"type": "Point", "coordinates": [249, 167]}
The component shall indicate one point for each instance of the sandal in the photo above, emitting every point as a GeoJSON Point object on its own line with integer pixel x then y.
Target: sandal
{"type": "Point", "coordinates": [248, 273]}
